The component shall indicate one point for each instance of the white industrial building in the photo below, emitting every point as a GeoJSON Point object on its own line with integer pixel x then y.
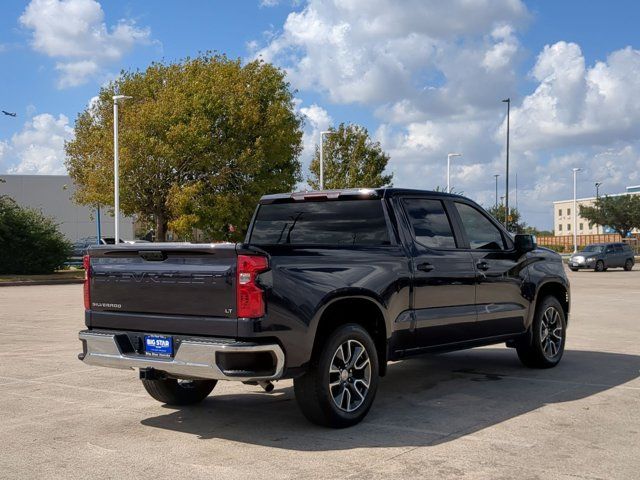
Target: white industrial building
{"type": "Point", "coordinates": [563, 215]}
{"type": "Point", "coordinates": [51, 194]}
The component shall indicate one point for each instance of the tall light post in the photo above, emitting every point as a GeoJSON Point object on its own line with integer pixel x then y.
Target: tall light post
{"type": "Point", "coordinates": [449, 157]}
{"type": "Point", "coordinates": [322, 134]}
{"type": "Point", "coordinates": [597, 197]}
{"type": "Point", "coordinates": [598, 189]}
{"type": "Point", "coordinates": [496, 175]}
{"type": "Point", "coordinates": [116, 167]}
{"type": "Point", "coordinates": [98, 225]}
{"type": "Point", "coordinates": [575, 213]}
{"type": "Point", "coordinates": [506, 194]}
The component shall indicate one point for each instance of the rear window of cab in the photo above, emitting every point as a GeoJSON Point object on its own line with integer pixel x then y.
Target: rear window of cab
{"type": "Point", "coordinates": [341, 222]}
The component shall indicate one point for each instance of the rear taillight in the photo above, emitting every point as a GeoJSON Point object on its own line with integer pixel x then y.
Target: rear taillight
{"type": "Point", "coordinates": [86, 263]}
{"type": "Point", "coordinates": [250, 297]}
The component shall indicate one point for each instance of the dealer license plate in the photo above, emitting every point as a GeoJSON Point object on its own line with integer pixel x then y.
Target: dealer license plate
{"type": "Point", "coordinates": [158, 345]}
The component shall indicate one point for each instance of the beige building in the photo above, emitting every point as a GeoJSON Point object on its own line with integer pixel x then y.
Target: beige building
{"type": "Point", "coordinates": [563, 215]}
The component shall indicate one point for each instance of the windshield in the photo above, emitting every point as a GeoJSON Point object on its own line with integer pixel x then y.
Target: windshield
{"type": "Point", "coordinates": [593, 249]}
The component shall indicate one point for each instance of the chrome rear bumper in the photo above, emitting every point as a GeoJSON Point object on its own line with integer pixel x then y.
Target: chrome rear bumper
{"type": "Point", "coordinates": [194, 357]}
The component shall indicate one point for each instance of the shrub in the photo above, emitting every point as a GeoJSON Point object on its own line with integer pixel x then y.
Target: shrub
{"type": "Point", "coordinates": [30, 243]}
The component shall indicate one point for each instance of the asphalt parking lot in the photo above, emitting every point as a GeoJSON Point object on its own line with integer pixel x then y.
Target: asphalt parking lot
{"type": "Point", "coordinates": [472, 414]}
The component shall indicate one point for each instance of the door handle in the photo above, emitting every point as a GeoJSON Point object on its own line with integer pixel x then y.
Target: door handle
{"type": "Point", "coordinates": [425, 267]}
{"type": "Point", "coordinates": [484, 266]}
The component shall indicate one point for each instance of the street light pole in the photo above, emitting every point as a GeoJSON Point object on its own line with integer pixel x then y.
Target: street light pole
{"type": "Point", "coordinates": [575, 213]}
{"type": "Point", "coordinates": [449, 157]}
{"type": "Point", "coordinates": [506, 202]}
{"type": "Point", "coordinates": [598, 189]}
{"type": "Point", "coordinates": [322, 134]}
{"type": "Point", "coordinates": [497, 175]}
{"type": "Point", "coordinates": [98, 225]}
{"type": "Point", "coordinates": [116, 168]}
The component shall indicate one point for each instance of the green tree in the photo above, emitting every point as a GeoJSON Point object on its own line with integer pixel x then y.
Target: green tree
{"type": "Point", "coordinates": [30, 243]}
{"type": "Point", "coordinates": [622, 212]}
{"type": "Point", "coordinates": [351, 160]}
{"type": "Point", "coordinates": [200, 141]}
{"type": "Point", "coordinates": [515, 223]}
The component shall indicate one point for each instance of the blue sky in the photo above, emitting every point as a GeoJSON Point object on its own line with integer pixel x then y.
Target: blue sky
{"type": "Point", "coordinates": [425, 77]}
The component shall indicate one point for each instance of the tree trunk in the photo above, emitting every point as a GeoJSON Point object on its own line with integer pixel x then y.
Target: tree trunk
{"type": "Point", "coordinates": [161, 229]}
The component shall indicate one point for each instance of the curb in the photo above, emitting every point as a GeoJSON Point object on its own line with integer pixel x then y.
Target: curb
{"type": "Point", "coordinates": [41, 282]}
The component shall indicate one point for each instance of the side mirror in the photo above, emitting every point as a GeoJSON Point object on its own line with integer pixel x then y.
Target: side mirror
{"type": "Point", "coordinates": [525, 243]}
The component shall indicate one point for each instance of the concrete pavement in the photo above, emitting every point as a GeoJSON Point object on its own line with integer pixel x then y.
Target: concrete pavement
{"type": "Point", "coordinates": [471, 414]}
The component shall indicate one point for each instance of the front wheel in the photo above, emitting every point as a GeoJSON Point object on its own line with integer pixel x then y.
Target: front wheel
{"type": "Point", "coordinates": [599, 266]}
{"type": "Point", "coordinates": [628, 265]}
{"type": "Point", "coordinates": [545, 345]}
{"type": "Point", "coordinates": [179, 392]}
{"type": "Point", "coordinates": [339, 387]}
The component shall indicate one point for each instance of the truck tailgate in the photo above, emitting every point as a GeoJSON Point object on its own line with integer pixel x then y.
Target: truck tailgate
{"type": "Point", "coordinates": [167, 279]}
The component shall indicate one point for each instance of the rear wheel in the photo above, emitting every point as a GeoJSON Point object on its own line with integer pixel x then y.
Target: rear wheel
{"type": "Point", "coordinates": [628, 265]}
{"type": "Point", "coordinates": [599, 266]}
{"type": "Point", "coordinates": [339, 387]}
{"type": "Point", "coordinates": [545, 345]}
{"type": "Point", "coordinates": [179, 392]}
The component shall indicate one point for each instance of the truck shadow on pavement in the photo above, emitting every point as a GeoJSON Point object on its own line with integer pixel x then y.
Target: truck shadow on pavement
{"type": "Point", "coordinates": [422, 401]}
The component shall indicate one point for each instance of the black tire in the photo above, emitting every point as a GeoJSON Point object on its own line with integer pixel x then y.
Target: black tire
{"type": "Point", "coordinates": [318, 401]}
{"type": "Point", "coordinates": [628, 265]}
{"type": "Point", "coordinates": [599, 266]}
{"type": "Point", "coordinates": [179, 392]}
{"type": "Point", "coordinates": [542, 348]}
{"type": "Point", "coordinates": [573, 269]}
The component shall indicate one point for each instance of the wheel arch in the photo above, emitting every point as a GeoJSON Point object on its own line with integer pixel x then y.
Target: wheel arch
{"type": "Point", "coordinates": [558, 290]}
{"type": "Point", "coordinates": [359, 309]}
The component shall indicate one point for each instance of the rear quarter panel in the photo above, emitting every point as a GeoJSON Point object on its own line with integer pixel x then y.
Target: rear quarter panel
{"type": "Point", "coordinates": [303, 281]}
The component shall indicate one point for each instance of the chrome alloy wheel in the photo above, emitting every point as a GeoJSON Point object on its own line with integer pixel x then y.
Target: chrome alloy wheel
{"type": "Point", "coordinates": [551, 332]}
{"type": "Point", "coordinates": [349, 375]}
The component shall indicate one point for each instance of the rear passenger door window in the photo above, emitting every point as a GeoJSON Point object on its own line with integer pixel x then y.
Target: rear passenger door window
{"type": "Point", "coordinates": [481, 232]}
{"type": "Point", "coordinates": [430, 223]}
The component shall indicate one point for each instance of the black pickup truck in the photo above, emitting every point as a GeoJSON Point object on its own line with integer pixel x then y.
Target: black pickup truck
{"type": "Point", "coordinates": [327, 288]}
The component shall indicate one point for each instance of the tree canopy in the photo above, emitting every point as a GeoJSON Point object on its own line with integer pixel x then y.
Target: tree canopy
{"type": "Point", "coordinates": [621, 213]}
{"type": "Point", "coordinates": [515, 223]}
{"type": "Point", "coordinates": [351, 160]}
{"type": "Point", "coordinates": [200, 141]}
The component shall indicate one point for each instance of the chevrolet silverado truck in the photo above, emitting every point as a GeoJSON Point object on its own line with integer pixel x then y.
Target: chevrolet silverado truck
{"type": "Point", "coordinates": [326, 289]}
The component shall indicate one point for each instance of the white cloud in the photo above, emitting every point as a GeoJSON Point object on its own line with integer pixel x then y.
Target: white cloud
{"type": "Point", "coordinates": [379, 51]}
{"type": "Point", "coordinates": [73, 74]}
{"type": "Point", "coordinates": [74, 32]}
{"type": "Point", "coordinates": [433, 74]}
{"type": "Point", "coordinates": [39, 147]}
{"type": "Point", "coordinates": [317, 119]}
{"type": "Point", "coordinates": [576, 105]}
{"type": "Point", "coordinates": [4, 151]}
